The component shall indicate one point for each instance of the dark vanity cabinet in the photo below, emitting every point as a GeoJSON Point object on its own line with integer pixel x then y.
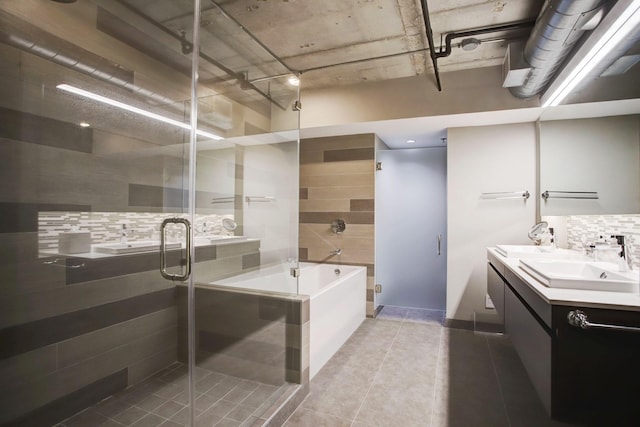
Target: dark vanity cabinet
{"type": "Point", "coordinates": [586, 376]}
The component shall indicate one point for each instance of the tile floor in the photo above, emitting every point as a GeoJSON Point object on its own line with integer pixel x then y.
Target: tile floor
{"type": "Point", "coordinates": [162, 400]}
{"type": "Point", "coordinates": [405, 369]}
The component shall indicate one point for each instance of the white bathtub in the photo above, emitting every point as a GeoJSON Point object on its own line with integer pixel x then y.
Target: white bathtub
{"type": "Point", "coordinates": [337, 301]}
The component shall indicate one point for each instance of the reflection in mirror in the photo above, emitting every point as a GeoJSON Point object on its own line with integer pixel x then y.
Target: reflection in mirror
{"type": "Point", "coordinates": [598, 155]}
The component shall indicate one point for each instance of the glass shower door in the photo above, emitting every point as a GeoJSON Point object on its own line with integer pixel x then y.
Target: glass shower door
{"type": "Point", "coordinates": [96, 152]}
{"type": "Point", "coordinates": [94, 142]}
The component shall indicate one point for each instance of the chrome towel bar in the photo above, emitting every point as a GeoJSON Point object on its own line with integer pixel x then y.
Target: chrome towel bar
{"type": "Point", "coordinates": [506, 195]}
{"type": "Point", "coordinates": [56, 263]}
{"type": "Point", "coordinates": [569, 195]}
{"type": "Point", "coordinates": [579, 319]}
{"type": "Point", "coordinates": [250, 199]}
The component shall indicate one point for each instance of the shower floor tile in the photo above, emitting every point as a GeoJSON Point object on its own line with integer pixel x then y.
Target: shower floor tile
{"type": "Point", "coordinates": [162, 400]}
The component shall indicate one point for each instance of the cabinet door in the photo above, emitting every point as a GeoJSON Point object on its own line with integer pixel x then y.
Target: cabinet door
{"type": "Point", "coordinates": [532, 343]}
{"type": "Point", "coordinates": [495, 289]}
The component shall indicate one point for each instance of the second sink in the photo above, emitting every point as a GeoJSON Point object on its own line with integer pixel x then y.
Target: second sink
{"type": "Point", "coordinates": [596, 276]}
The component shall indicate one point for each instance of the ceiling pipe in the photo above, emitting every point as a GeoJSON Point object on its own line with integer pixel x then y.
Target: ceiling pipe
{"type": "Point", "coordinates": [443, 53]}
{"type": "Point", "coordinates": [432, 50]}
{"type": "Point", "coordinates": [559, 26]}
{"type": "Point", "coordinates": [187, 46]}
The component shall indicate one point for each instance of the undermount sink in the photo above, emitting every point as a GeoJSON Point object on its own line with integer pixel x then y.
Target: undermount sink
{"type": "Point", "coordinates": [597, 276]}
{"type": "Point", "coordinates": [132, 247]}
{"type": "Point", "coordinates": [538, 252]}
{"type": "Point", "coordinates": [216, 238]}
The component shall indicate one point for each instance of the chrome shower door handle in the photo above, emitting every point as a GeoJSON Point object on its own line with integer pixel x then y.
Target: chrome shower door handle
{"type": "Point", "coordinates": [163, 249]}
{"type": "Point", "coordinates": [439, 240]}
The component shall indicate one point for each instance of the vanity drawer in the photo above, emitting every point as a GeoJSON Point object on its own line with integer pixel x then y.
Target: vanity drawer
{"type": "Point", "coordinates": [540, 307]}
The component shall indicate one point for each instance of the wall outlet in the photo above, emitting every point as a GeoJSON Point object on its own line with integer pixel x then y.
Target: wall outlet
{"type": "Point", "coordinates": [378, 289]}
{"type": "Point", "coordinates": [488, 303]}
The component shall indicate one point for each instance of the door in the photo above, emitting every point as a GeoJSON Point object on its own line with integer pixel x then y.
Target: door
{"type": "Point", "coordinates": [411, 245]}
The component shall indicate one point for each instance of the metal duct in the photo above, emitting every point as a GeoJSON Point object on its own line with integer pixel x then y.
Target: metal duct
{"type": "Point", "coordinates": [559, 26]}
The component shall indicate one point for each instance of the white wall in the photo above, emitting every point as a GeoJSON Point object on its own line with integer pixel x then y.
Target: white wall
{"type": "Point", "coordinates": [464, 91]}
{"type": "Point", "coordinates": [482, 160]}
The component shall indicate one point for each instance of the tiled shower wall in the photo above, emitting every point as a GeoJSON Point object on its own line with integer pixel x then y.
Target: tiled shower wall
{"type": "Point", "coordinates": [107, 226]}
{"type": "Point", "coordinates": [337, 181]}
{"type": "Point", "coordinates": [587, 228]}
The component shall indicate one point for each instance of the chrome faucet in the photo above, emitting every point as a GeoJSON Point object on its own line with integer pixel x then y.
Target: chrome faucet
{"type": "Point", "coordinates": [336, 252]}
{"type": "Point", "coordinates": [625, 250]}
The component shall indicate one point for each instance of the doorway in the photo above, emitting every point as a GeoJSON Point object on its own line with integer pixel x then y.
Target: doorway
{"type": "Point", "coordinates": [411, 223]}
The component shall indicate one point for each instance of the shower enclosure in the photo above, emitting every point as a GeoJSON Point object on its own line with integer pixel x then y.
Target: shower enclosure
{"type": "Point", "coordinates": [144, 158]}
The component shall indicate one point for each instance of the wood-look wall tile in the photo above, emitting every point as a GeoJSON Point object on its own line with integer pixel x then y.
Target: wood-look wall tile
{"type": "Point", "coordinates": [29, 336]}
{"type": "Point", "coordinates": [356, 167]}
{"type": "Point", "coordinates": [304, 193]}
{"type": "Point", "coordinates": [365, 140]}
{"type": "Point", "coordinates": [336, 180]}
{"type": "Point", "coordinates": [328, 217]}
{"type": "Point", "coordinates": [40, 130]}
{"type": "Point", "coordinates": [78, 348]}
{"type": "Point", "coordinates": [342, 192]}
{"type": "Point", "coordinates": [312, 231]}
{"type": "Point", "coordinates": [362, 205]}
{"type": "Point", "coordinates": [325, 205]}
{"type": "Point", "coordinates": [73, 402]}
{"type": "Point", "coordinates": [349, 154]}
{"type": "Point", "coordinates": [28, 366]}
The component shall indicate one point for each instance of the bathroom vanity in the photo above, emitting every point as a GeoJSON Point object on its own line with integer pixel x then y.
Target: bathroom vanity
{"type": "Point", "coordinates": [587, 375]}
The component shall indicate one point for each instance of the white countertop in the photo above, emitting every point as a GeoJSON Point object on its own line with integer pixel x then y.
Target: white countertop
{"type": "Point", "coordinates": [559, 296]}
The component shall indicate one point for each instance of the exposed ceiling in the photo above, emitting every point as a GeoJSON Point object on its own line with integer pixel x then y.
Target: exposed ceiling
{"type": "Point", "coordinates": [330, 42]}
{"type": "Point", "coordinates": [250, 47]}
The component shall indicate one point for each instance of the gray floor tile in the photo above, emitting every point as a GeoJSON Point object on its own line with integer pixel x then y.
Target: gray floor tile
{"type": "Point", "coordinates": [130, 416]}
{"type": "Point", "coordinates": [341, 396]}
{"type": "Point", "coordinates": [226, 422]}
{"type": "Point", "coordinates": [151, 402]}
{"type": "Point", "coordinates": [241, 413]}
{"type": "Point", "coordinates": [306, 418]}
{"type": "Point", "coordinates": [390, 312]}
{"type": "Point", "coordinates": [88, 417]}
{"type": "Point", "coordinates": [168, 409]}
{"type": "Point", "coordinates": [149, 420]}
{"type": "Point", "coordinates": [435, 317]}
{"type": "Point", "coordinates": [397, 405]}
{"type": "Point", "coordinates": [111, 407]}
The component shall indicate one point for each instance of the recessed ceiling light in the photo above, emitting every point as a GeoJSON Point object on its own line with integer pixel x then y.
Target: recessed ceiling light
{"type": "Point", "coordinates": [411, 141]}
{"type": "Point", "coordinates": [84, 124]}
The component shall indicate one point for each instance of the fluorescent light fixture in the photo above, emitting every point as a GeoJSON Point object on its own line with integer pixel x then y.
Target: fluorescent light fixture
{"type": "Point", "coordinates": [84, 124]}
{"type": "Point", "coordinates": [617, 31]}
{"type": "Point", "coordinates": [132, 109]}
{"type": "Point", "coordinates": [411, 141]}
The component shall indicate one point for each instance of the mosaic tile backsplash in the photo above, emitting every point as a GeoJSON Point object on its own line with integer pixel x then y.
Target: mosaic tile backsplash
{"type": "Point", "coordinates": [106, 227]}
{"type": "Point", "coordinates": [587, 228]}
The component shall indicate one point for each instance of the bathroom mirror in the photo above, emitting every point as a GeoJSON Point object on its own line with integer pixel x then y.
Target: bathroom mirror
{"type": "Point", "coordinates": [590, 146]}
{"type": "Point", "coordinates": [590, 166]}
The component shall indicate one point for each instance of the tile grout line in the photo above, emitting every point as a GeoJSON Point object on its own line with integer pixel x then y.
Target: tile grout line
{"type": "Point", "coordinates": [435, 385]}
{"type": "Point", "coordinates": [495, 372]}
{"type": "Point", "coordinates": [355, 417]}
